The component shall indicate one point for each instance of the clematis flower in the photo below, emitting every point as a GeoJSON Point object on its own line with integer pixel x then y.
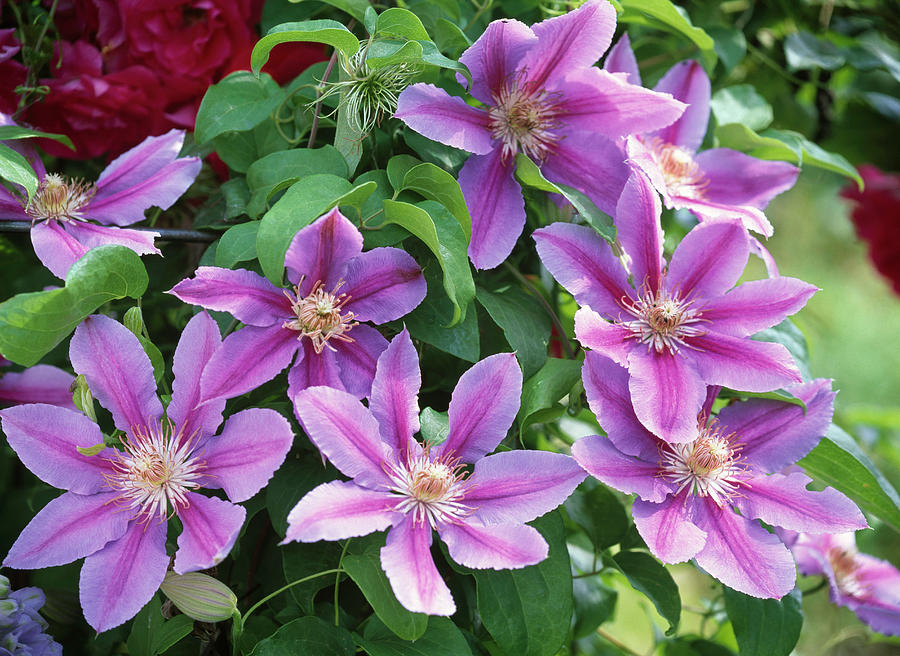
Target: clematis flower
{"type": "Point", "coordinates": [335, 286]}
{"type": "Point", "coordinates": [69, 217]}
{"type": "Point", "coordinates": [41, 383]}
{"type": "Point", "coordinates": [542, 97]}
{"type": "Point", "coordinates": [681, 327]}
{"type": "Point", "coordinates": [413, 489]}
{"type": "Point", "coordinates": [117, 501]}
{"type": "Point", "coordinates": [868, 586]}
{"type": "Point", "coordinates": [717, 184]}
{"type": "Point", "coordinates": [688, 491]}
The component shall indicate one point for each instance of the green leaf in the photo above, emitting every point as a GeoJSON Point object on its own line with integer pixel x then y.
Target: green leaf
{"type": "Point", "coordinates": [523, 322]}
{"type": "Point", "coordinates": [431, 55]}
{"type": "Point", "coordinates": [428, 322]}
{"type": "Point", "coordinates": [325, 31]}
{"type": "Point", "coordinates": [599, 512]}
{"type": "Point", "coordinates": [838, 461]}
{"type": "Point", "coordinates": [648, 576]}
{"type": "Point", "coordinates": [528, 173]}
{"type": "Point", "coordinates": [281, 169]}
{"type": "Point", "coordinates": [764, 627]}
{"type": "Point", "coordinates": [236, 195]}
{"type": "Point", "coordinates": [32, 324]}
{"type": "Point", "coordinates": [442, 638]}
{"type": "Point", "coordinates": [545, 388]}
{"type": "Point", "coordinates": [301, 559]}
{"type": "Point", "coordinates": [238, 244]}
{"type": "Point", "coordinates": [805, 51]}
{"type": "Point", "coordinates": [434, 183]}
{"type": "Point", "coordinates": [662, 14]}
{"type": "Point", "coordinates": [307, 635]}
{"type": "Point", "coordinates": [775, 395]}
{"type": "Point", "coordinates": [594, 604]}
{"type": "Point", "coordinates": [447, 157]}
{"type": "Point", "coordinates": [730, 44]}
{"type": "Point", "coordinates": [15, 168]}
{"type": "Point", "coordinates": [528, 611]}
{"type": "Point", "coordinates": [397, 22]}
{"type": "Point", "coordinates": [301, 204]}
{"type": "Point", "coordinates": [156, 358]}
{"type": "Point", "coordinates": [348, 138]}
{"type": "Point", "coordinates": [788, 335]}
{"type": "Point", "coordinates": [298, 475]}
{"type": "Point", "coordinates": [363, 564]}
{"type": "Point", "coordinates": [8, 132]}
{"type": "Point", "coordinates": [435, 426]}
{"type": "Point", "coordinates": [741, 103]}
{"type": "Point", "coordinates": [239, 102]}
{"type": "Point", "coordinates": [151, 634]}
{"type": "Point", "coordinates": [815, 155]}
{"type": "Point", "coordinates": [397, 168]}
{"type": "Point", "coordinates": [390, 52]}
{"type": "Point", "coordinates": [440, 231]}
{"type": "Point", "coordinates": [356, 8]}
{"type": "Point", "coordinates": [448, 36]}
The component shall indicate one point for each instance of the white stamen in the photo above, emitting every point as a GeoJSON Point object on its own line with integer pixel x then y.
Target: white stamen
{"type": "Point", "coordinates": [709, 466]}
{"type": "Point", "coordinates": [319, 315]}
{"type": "Point", "coordinates": [663, 321]}
{"type": "Point", "coordinates": [60, 198]}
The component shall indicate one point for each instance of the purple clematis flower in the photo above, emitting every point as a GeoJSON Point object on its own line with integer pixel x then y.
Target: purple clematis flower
{"type": "Point", "coordinates": [62, 210]}
{"type": "Point", "coordinates": [41, 383]}
{"type": "Point", "coordinates": [688, 491]}
{"type": "Point", "coordinates": [542, 97]}
{"type": "Point", "coordinates": [114, 511]}
{"type": "Point", "coordinates": [413, 489]}
{"type": "Point", "coordinates": [868, 586]}
{"type": "Point", "coordinates": [334, 287]}
{"type": "Point", "coordinates": [718, 184]}
{"type": "Point", "coordinates": [681, 327]}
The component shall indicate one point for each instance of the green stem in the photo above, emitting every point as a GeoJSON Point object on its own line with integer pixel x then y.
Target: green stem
{"type": "Point", "coordinates": [290, 585]}
{"type": "Point", "coordinates": [337, 580]}
{"type": "Point", "coordinates": [549, 310]}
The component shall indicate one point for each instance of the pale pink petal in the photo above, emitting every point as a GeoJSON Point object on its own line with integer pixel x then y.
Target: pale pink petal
{"type": "Point", "coordinates": [197, 343]}
{"type": "Point", "coordinates": [395, 392]}
{"type": "Point", "coordinates": [628, 474]}
{"type": "Point", "coordinates": [498, 546]}
{"type": "Point", "coordinates": [757, 305]}
{"type": "Point", "coordinates": [211, 526]}
{"type": "Point", "coordinates": [608, 339]}
{"type": "Point", "coordinates": [668, 529]}
{"type": "Point", "coordinates": [492, 59]}
{"type": "Point", "coordinates": [311, 369]}
{"type": "Point", "coordinates": [340, 510]}
{"type": "Point", "coordinates": [742, 363]}
{"type": "Point", "coordinates": [139, 163]}
{"type": "Point", "coordinates": [620, 59]}
{"type": "Point", "coordinates": [383, 284]}
{"type": "Point", "coordinates": [707, 211]}
{"type": "Point", "coordinates": [41, 383]}
{"type": "Point", "coordinates": [434, 113]}
{"type": "Point", "coordinates": [318, 252]}
{"type": "Point", "coordinates": [667, 393]}
{"type": "Point", "coordinates": [90, 236]}
{"type": "Point", "coordinates": [246, 295]}
{"type": "Point", "coordinates": [55, 248]}
{"type": "Point", "coordinates": [688, 82]}
{"type": "Point", "coordinates": [709, 260]}
{"type": "Point", "coordinates": [406, 559]}
{"type": "Point", "coordinates": [640, 231]}
{"type": "Point", "coordinates": [737, 179]}
{"type": "Point", "coordinates": [356, 360]}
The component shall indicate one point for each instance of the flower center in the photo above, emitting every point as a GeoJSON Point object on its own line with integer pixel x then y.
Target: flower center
{"type": "Point", "coordinates": [844, 565]}
{"type": "Point", "coordinates": [710, 466]}
{"type": "Point", "coordinates": [681, 173]}
{"type": "Point", "coordinates": [433, 489]}
{"type": "Point", "coordinates": [156, 469]}
{"type": "Point", "coordinates": [524, 118]}
{"type": "Point", "coordinates": [60, 198]}
{"type": "Point", "coordinates": [320, 315]}
{"type": "Point", "coordinates": [663, 321]}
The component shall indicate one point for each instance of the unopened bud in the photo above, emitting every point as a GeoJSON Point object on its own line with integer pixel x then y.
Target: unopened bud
{"type": "Point", "coordinates": [134, 321]}
{"type": "Point", "coordinates": [4, 587]}
{"type": "Point", "coordinates": [82, 397]}
{"type": "Point", "coordinates": [200, 596]}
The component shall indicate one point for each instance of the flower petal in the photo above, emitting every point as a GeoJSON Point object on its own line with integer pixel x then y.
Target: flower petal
{"type": "Point", "coordinates": [492, 59]}
{"type": "Point", "coordinates": [628, 474]}
{"type": "Point", "coordinates": [383, 284]}
{"type": "Point", "coordinates": [706, 210]}
{"type": "Point", "coordinates": [211, 526]}
{"type": "Point", "coordinates": [55, 248]}
{"type": "Point", "coordinates": [482, 407]}
{"type": "Point", "coordinates": [435, 114]}
{"type": "Point", "coordinates": [252, 445]}
{"type": "Point", "coordinates": [667, 393]}
{"type": "Point", "coordinates": [117, 581]}
{"type": "Point", "coordinates": [709, 260]}
{"type": "Point", "coordinates": [357, 360]}
{"type": "Point", "coordinates": [318, 252]}
{"type": "Point", "coordinates": [406, 559]}
{"type": "Point", "coordinates": [139, 163]}
{"type": "Point", "coordinates": [738, 179]}
{"type": "Point", "coordinates": [247, 359]}
{"type": "Point", "coordinates": [46, 439]}
{"type": "Point", "coordinates": [518, 486]}
{"type": "Point", "coordinates": [742, 554]}
{"type": "Point", "coordinates": [688, 82]}
{"type": "Point", "coordinates": [775, 434]}
{"type": "Point", "coordinates": [621, 59]}
{"type": "Point", "coordinates": [246, 295]}
{"type": "Point", "coordinates": [197, 343]}
{"type": "Point", "coordinates": [569, 42]}
{"type": "Point", "coordinates": [640, 232]}
{"type": "Point", "coordinates": [311, 369]}
{"type": "Point", "coordinates": [498, 546]}
{"type": "Point", "coordinates": [757, 305]}
{"type": "Point", "coordinates": [494, 199]}
{"type": "Point", "coordinates": [344, 431]}
{"type": "Point", "coordinates": [117, 370]}
{"type": "Point", "coordinates": [783, 500]}
{"type": "Point", "coordinates": [583, 263]}
{"type": "Point", "coordinates": [742, 363]}
{"type": "Point", "coordinates": [41, 383]}
{"type": "Point", "coordinates": [70, 527]}
{"type": "Point", "coordinates": [667, 528]}
{"type": "Point", "coordinates": [395, 392]}
{"type": "Point", "coordinates": [608, 339]}
{"type": "Point", "coordinates": [339, 510]}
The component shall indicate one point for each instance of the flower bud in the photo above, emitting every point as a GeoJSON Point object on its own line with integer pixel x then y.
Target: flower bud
{"type": "Point", "coordinates": [82, 397]}
{"type": "Point", "coordinates": [200, 596]}
{"type": "Point", "coordinates": [134, 321]}
{"type": "Point", "coordinates": [4, 587]}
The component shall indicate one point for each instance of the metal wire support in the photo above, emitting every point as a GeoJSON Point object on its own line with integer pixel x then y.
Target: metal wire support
{"type": "Point", "coordinates": [165, 234]}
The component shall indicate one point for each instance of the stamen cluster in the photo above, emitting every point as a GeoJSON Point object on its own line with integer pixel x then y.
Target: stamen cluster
{"type": "Point", "coordinates": [845, 565]}
{"type": "Point", "coordinates": [663, 321]}
{"type": "Point", "coordinates": [682, 175]}
{"type": "Point", "coordinates": [63, 199]}
{"type": "Point", "coordinates": [319, 315]}
{"type": "Point", "coordinates": [524, 117]}
{"type": "Point", "coordinates": [434, 488]}
{"type": "Point", "coordinates": [709, 466]}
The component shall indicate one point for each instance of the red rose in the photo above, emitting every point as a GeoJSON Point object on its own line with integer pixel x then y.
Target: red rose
{"type": "Point", "coordinates": [12, 73]}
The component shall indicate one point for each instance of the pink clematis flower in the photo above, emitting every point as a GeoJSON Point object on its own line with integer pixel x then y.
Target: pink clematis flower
{"type": "Point", "coordinates": [688, 491]}
{"type": "Point", "coordinates": [717, 184]}
{"type": "Point", "coordinates": [114, 511]}
{"type": "Point", "coordinates": [414, 489]}
{"type": "Point", "coordinates": [868, 586]}
{"type": "Point", "coordinates": [69, 217]}
{"type": "Point", "coordinates": [41, 383]}
{"type": "Point", "coordinates": [681, 327]}
{"type": "Point", "coordinates": [542, 97]}
{"type": "Point", "coordinates": [334, 287]}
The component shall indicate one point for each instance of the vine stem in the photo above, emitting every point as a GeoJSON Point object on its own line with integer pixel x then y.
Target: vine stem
{"type": "Point", "coordinates": [620, 646]}
{"type": "Point", "coordinates": [337, 580]}
{"type": "Point", "coordinates": [314, 130]}
{"type": "Point", "coordinates": [549, 310]}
